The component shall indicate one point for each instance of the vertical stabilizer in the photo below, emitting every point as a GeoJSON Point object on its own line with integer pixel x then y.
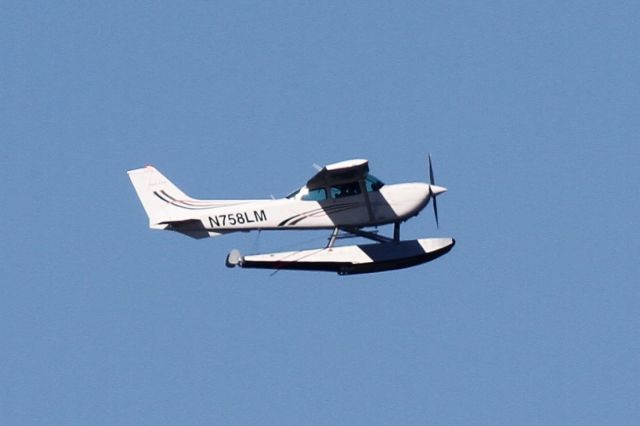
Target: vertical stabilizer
{"type": "Point", "coordinates": [157, 195]}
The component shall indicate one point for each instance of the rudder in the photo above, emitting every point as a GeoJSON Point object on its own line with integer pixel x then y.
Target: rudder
{"type": "Point", "coordinates": [157, 193]}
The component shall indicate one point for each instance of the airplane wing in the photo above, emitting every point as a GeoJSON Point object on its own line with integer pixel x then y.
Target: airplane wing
{"type": "Point", "coordinates": [344, 171]}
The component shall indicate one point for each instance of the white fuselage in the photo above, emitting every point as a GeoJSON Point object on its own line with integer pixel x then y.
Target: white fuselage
{"type": "Point", "coordinates": [392, 203]}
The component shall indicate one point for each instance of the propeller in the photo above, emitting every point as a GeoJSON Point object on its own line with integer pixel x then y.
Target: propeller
{"type": "Point", "coordinates": [434, 191]}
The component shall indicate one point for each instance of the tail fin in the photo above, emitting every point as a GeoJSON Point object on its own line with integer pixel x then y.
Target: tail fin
{"type": "Point", "coordinates": [158, 196]}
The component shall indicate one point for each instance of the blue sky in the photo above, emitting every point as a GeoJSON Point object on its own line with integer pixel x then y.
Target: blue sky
{"type": "Point", "coordinates": [530, 110]}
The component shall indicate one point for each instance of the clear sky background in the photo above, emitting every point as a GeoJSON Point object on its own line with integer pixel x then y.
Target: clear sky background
{"type": "Point", "coordinates": [530, 109]}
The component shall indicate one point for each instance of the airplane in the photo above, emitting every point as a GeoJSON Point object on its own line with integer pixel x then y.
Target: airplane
{"type": "Point", "coordinates": [342, 197]}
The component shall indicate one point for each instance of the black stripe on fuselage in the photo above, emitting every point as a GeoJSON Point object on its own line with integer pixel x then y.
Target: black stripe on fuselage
{"type": "Point", "coordinates": [187, 204]}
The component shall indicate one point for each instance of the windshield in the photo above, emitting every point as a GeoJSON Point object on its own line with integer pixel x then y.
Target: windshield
{"type": "Point", "coordinates": [372, 183]}
{"type": "Point", "coordinates": [307, 194]}
{"type": "Point", "coordinates": [293, 194]}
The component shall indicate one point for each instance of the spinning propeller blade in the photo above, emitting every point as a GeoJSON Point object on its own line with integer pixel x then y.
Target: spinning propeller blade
{"type": "Point", "coordinates": [432, 181]}
{"type": "Point", "coordinates": [435, 212]}
{"type": "Point", "coordinates": [434, 190]}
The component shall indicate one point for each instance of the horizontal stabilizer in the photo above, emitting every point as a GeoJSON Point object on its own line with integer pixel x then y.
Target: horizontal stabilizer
{"type": "Point", "coordinates": [191, 228]}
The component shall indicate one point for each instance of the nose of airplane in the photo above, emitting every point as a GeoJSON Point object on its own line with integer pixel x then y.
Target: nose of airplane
{"type": "Point", "coordinates": [408, 198]}
{"type": "Point", "coordinates": [421, 191]}
{"type": "Point", "coordinates": [437, 190]}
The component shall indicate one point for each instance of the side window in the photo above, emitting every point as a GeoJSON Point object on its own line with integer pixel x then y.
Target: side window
{"type": "Point", "coordinates": [345, 190]}
{"type": "Point", "coordinates": [317, 194]}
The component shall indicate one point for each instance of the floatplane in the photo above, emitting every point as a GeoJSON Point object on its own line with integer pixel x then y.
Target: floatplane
{"type": "Point", "coordinates": [342, 197]}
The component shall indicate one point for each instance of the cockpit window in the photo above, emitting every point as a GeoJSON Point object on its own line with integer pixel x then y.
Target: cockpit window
{"type": "Point", "coordinates": [306, 194]}
{"type": "Point", "coordinates": [345, 190]}
{"type": "Point", "coordinates": [373, 184]}
{"type": "Point", "coordinates": [317, 194]}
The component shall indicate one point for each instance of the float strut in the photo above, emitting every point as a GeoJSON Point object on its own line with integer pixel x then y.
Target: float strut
{"type": "Point", "coordinates": [332, 239]}
{"type": "Point", "coordinates": [396, 232]}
